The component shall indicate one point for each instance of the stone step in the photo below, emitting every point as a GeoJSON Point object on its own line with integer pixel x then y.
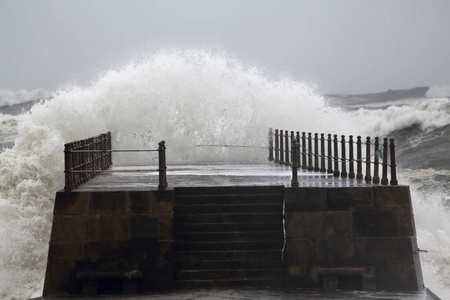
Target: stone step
{"type": "Point", "coordinates": [228, 218]}
{"type": "Point", "coordinates": [230, 236]}
{"type": "Point", "coordinates": [230, 274]}
{"type": "Point", "coordinates": [228, 227]}
{"type": "Point", "coordinates": [229, 190]}
{"type": "Point", "coordinates": [228, 246]}
{"type": "Point", "coordinates": [230, 208]}
{"type": "Point", "coordinates": [224, 199]}
{"type": "Point", "coordinates": [237, 255]}
{"type": "Point", "coordinates": [230, 264]}
{"type": "Point", "coordinates": [224, 283]}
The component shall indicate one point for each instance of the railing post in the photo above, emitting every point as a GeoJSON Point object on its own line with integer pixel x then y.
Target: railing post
{"type": "Point", "coordinates": [330, 156]}
{"type": "Point", "coordinates": [368, 177]}
{"type": "Point", "coordinates": [294, 150]}
{"type": "Point", "coordinates": [162, 166]}
{"type": "Point", "coordinates": [68, 175]}
{"type": "Point", "coordinates": [384, 179]}
{"type": "Point", "coordinates": [277, 154]}
{"type": "Point", "coordinates": [310, 151]}
{"type": "Point", "coordinates": [376, 177]}
{"type": "Point", "coordinates": [322, 151]}
{"type": "Point", "coordinates": [109, 148]}
{"type": "Point", "coordinates": [304, 164]}
{"type": "Point", "coordinates": [298, 149]}
{"type": "Point", "coordinates": [316, 152]}
{"type": "Point", "coordinates": [292, 153]}
{"type": "Point", "coordinates": [351, 173]}
{"type": "Point", "coordinates": [281, 161]}
{"type": "Point", "coordinates": [359, 174]}
{"type": "Point", "coordinates": [90, 157]}
{"type": "Point", "coordinates": [393, 165]}
{"type": "Point", "coordinates": [270, 144]}
{"type": "Point", "coordinates": [336, 157]}
{"type": "Point", "coordinates": [286, 156]}
{"type": "Point", "coordinates": [344, 162]}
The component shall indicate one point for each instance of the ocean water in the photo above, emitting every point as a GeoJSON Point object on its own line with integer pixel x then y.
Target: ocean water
{"type": "Point", "coordinates": [196, 97]}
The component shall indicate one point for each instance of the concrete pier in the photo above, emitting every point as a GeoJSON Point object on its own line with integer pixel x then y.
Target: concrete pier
{"type": "Point", "coordinates": [116, 234]}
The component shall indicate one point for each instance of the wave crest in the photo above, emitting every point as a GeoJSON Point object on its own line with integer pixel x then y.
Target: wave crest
{"type": "Point", "coordinates": [428, 114]}
{"type": "Point", "coordinates": [438, 91]}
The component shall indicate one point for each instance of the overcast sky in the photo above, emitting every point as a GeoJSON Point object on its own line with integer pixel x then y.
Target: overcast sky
{"type": "Point", "coordinates": [342, 46]}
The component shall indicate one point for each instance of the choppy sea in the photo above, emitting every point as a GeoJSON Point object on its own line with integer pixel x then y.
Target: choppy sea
{"type": "Point", "coordinates": [190, 98]}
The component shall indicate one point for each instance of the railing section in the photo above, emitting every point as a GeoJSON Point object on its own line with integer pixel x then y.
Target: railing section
{"type": "Point", "coordinates": [85, 159]}
{"type": "Point", "coordinates": [303, 150]}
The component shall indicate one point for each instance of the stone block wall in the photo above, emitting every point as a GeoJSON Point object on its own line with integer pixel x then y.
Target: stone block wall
{"type": "Point", "coordinates": [103, 240]}
{"type": "Point", "coordinates": [351, 238]}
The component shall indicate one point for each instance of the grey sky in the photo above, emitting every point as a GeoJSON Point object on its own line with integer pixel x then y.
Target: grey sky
{"type": "Point", "coordinates": [342, 46]}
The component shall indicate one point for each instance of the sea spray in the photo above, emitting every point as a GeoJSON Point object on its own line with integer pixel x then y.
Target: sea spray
{"type": "Point", "coordinates": [185, 97]}
{"type": "Point", "coordinates": [431, 199]}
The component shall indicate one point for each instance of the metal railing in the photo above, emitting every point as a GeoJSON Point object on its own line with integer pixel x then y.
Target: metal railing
{"type": "Point", "coordinates": [85, 159]}
{"type": "Point", "coordinates": [285, 147]}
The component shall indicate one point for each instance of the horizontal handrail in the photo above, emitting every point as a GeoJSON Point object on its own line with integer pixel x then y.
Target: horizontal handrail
{"type": "Point", "coordinates": [110, 151]}
{"type": "Point", "coordinates": [283, 145]}
{"type": "Point", "coordinates": [85, 159]}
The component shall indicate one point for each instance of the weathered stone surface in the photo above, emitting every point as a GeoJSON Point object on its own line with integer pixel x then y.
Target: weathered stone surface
{"type": "Point", "coordinates": [374, 223]}
{"type": "Point", "coordinates": [74, 228]}
{"type": "Point", "coordinates": [298, 276]}
{"type": "Point", "coordinates": [344, 227]}
{"type": "Point", "coordinates": [113, 227]}
{"type": "Point", "coordinates": [299, 251]}
{"type": "Point", "coordinates": [302, 225]}
{"type": "Point", "coordinates": [396, 277]}
{"type": "Point", "coordinates": [319, 224]}
{"type": "Point", "coordinates": [60, 279]}
{"type": "Point", "coordinates": [158, 277]}
{"type": "Point", "coordinates": [163, 201]}
{"type": "Point", "coordinates": [65, 251]}
{"type": "Point", "coordinates": [395, 250]}
{"type": "Point", "coordinates": [109, 202]}
{"type": "Point", "coordinates": [382, 223]}
{"type": "Point", "coordinates": [350, 198]}
{"type": "Point", "coordinates": [140, 201]}
{"type": "Point", "coordinates": [151, 201]}
{"type": "Point", "coordinates": [335, 251]}
{"type": "Point", "coordinates": [69, 203]}
{"type": "Point", "coordinates": [392, 196]}
{"type": "Point", "coordinates": [305, 199]}
{"type": "Point", "coordinates": [165, 226]}
{"type": "Point", "coordinates": [103, 250]}
{"type": "Point", "coordinates": [143, 228]}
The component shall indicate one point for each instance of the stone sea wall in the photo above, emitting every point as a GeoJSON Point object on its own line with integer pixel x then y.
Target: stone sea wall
{"type": "Point", "coordinates": [351, 237]}
{"type": "Point", "coordinates": [122, 242]}
{"type": "Point", "coordinates": [99, 239]}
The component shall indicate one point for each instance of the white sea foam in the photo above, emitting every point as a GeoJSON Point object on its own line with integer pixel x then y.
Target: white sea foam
{"type": "Point", "coordinates": [431, 210]}
{"type": "Point", "coordinates": [426, 113]}
{"type": "Point", "coordinates": [187, 98]}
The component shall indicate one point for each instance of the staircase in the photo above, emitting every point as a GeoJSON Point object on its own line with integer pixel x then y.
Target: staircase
{"type": "Point", "coordinates": [229, 236]}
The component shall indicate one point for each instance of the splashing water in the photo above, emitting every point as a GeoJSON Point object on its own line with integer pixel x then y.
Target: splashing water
{"type": "Point", "coordinates": [185, 97]}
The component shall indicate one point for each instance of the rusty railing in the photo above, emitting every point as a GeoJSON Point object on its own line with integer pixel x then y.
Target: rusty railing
{"type": "Point", "coordinates": [285, 148]}
{"type": "Point", "coordinates": [85, 159]}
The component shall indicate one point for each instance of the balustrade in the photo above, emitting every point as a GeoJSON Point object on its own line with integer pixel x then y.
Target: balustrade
{"type": "Point", "coordinates": [305, 148]}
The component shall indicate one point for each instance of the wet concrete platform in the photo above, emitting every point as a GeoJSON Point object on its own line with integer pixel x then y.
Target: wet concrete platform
{"type": "Point", "coordinates": [218, 174]}
{"type": "Point", "coordinates": [262, 294]}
